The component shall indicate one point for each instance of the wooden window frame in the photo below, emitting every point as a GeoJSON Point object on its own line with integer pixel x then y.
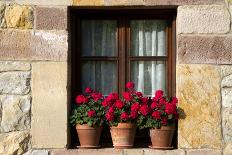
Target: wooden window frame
{"type": "Point", "coordinates": [123, 16]}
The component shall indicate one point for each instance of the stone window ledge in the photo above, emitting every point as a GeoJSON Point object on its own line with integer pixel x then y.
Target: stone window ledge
{"type": "Point", "coordinates": [111, 151]}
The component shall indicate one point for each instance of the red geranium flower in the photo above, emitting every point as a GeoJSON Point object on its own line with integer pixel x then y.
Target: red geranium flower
{"type": "Point", "coordinates": [133, 115]}
{"type": "Point", "coordinates": [91, 113]}
{"type": "Point", "coordinates": [170, 108]}
{"type": "Point", "coordinates": [174, 100]}
{"type": "Point", "coordinates": [130, 85]}
{"type": "Point", "coordinates": [80, 99]}
{"type": "Point", "coordinates": [127, 96]}
{"type": "Point", "coordinates": [124, 116]}
{"type": "Point", "coordinates": [88, 90]}
{"type": "Point", "coordinates": [159, 94]}
{"type": "Point", "coordinates": [96, 96]}
{"type": "Point", "coordinates": [119, 104]}
{"type": "Point", "coordinates": [156, 115]}
{"type": "Point", "coordinates": [113, 96]}
{"type": "Point", "coordinates": [139, 94]}
{"type": "Point", "coordinates": [164, 121]}
{"type": "Point", "coordinates": [135, 106]}
{"type": "Point", "coordinates": [144, 110]}
{"type": "Point", "coordinates": [109, 116]}
{"type": "Point", "coordinates": [144, 100]}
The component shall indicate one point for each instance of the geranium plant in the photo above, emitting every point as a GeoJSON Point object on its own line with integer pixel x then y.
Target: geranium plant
{"type": "Point", "coordinates": [88, 109]}
{"type": "Point", "coordinates": [163, 111]}
{"type": "Point", "coordinates": [126, 109]}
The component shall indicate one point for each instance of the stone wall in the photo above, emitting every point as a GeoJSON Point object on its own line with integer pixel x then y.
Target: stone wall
{"type": "Point", "coordinates": [34, 81]}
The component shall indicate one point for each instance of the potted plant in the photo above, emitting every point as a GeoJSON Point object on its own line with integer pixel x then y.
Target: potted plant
{"type": "Point", "coordinates": [161, 120]}
{"type": "Point", "coordinates": [88, 117]}
{"type": "Point", "coordinates": [121, 115]}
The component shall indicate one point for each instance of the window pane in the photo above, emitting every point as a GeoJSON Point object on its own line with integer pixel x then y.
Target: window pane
{"type": "Point", "coordinates": [100, 75]}
{"type": "Point", "coordinates": [149, 76]}
{"type": "Point", "coordinates": [99, 37]}
{"type": "Point", "coordinates": [148, 38]}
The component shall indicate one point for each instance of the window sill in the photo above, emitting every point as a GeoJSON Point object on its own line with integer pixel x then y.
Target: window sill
{"type": "Point", "coordinates": [112, 151]}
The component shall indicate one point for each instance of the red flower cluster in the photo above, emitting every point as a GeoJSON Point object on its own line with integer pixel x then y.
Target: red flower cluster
{"type": "Point", "coordinates": [91, 113]}
{"type": "Point", "coordinates": [162, 109]}
{"type": "Point", "coordinates": [125, 110]}
{"type": "Point", "coordinates": [80, 99]}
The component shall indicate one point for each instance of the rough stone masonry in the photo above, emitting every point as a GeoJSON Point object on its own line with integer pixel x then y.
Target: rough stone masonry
{"type": "Point", "coordinates": [34, 78]}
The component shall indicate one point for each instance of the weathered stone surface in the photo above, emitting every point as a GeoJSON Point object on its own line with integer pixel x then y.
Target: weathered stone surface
{"type": "Point", "coordinates": [51, 18]}
{"type": "Point", "coordinates": [133, 152]}
{"type": "Point", "coordinates": [49, 105]}
{"type": "Point", "coordinates": [228, 150]}
{"type": "Point", "coordinates": [30, 45]}
{"type": "Point", "coordinates": [168, 152]}
{"type": "Point", "coordinates": [226, 70]}
{"type": "Point", "coordinates": [14, 66]}
{"type": "Point", "coordinates": [19, 16]}
{"type": "Point", "coordinates": [227, 97]}
{"type": "Point", "coordinates": [123, 2]}
{"type": "Point", "coordinates": [44, 2]}
{"type": "Point", "coordinates": [37, 152]}
{"type": "Point", "coordinates": [2, 11]}
{"type": "Point", "coordinates": [88, 152]}
{"type": "Point", "coordinates": [182, 2]}
{"type": "Point", "coordinates": [204, 152]}
{"type": "Point", "coordinates": [198, 89]}
{"type": "Point", "coordinates": [227, 125]}
{"type": "Point", "coordinates": [14, 143]}
{"type": "Point", "coordinates": [88, 2]}
{"type": "Point", "coordinates": [15, 113]}
{"type": "Point", "coordinates": [203, 19]}
{"type": "Point", "coordinates": [15, 83]}
{"type": "Point", "coordinates": [205, 49]}
{"type": "Point", "coordinates": [227, 81]}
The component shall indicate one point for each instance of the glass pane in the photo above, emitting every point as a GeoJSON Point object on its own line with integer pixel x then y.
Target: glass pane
{"type": "Point", "coordinates": [99, 37]}
{"type": "Point", "coordinates": [148, 38]}
{"type": "Point", "coordinates": [100, 75]}
{"type": "Point", "coordinates": [149, 76]}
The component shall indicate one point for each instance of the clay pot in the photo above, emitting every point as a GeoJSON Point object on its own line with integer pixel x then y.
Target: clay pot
{"type": "Point", "coordinates": [123, 135]}
{"type": "Point", "coordinates": [162, 138]}
{"type": "Point", "coordinates": [88, 136]}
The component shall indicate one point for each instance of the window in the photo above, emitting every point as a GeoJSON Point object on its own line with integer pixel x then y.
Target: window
{"type": "Point", "coordinates": [113, 46]}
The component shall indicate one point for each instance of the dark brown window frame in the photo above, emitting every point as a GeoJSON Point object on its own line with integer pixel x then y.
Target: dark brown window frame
{"type": "Point", "coordinates": [123, 15]}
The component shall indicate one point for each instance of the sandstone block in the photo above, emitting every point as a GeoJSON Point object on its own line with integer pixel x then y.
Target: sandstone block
{"type": "Point", "coordinates": [30, 45]}
{"type": "Point", "coordinates": [15, 113]}
{"type": "Point", "coordinates": [14, 143]}
{"type": "Point", "coordinates": [49, 105]}
{"type": "Point", "coordinates": [204, 49]}
{"type": "Point", "coordinates": [51, 18]}
{"type": "Point", "coordinates": [133, 152]}
{"type": "Point", "coordinates": [2, 11]}
{"type": "Point", "coordinates": [227, 81]}
{"type": "Point", "coordinates": [227, 125]}
{"type": "Point", "coordinates": [15, 83]}
{"type": "Point", "coordinates": [19, 16]}
{"type": "Point", "coordinates": [123, 2]}
{"type": "Point", "coordinates": [227, 97]}
{"type": "Point", "coordinates": [88, 152]}
{"type": "Point", "coordinates": [228, 149]}
{"type": "Point", "coordinates": [88, 2]}
{"type": "Point", "coordinates": [14, 66]}
{"type": "Point", "coordinates": [204, 152]}
{"type": "Point", "coordinates": [44, 2]}
{"type": "Point", "coordinates": [201, 107]}
{"type": "Point", "coordinates": [182, 2]}
{"type": "Point", "coordinates": [167, 152]}
{"type": "Point", "coordinates": [37, 152]}
{"type": "Point", "coordinates": [203, 19]}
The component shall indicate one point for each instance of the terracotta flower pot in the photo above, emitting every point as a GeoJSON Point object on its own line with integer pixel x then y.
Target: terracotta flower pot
{"type": "Point", "coordinates": [88, 136]}
{"type": "Point", "coordinates": [162, 138]}
{"type": "Point", "coordinates": [123, 135]}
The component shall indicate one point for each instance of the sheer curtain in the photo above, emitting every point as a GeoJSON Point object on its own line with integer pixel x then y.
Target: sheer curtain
{"type": "Point", "coordinates": [149, 39]}
{"type": "Point", "coordinates": [99, 38]}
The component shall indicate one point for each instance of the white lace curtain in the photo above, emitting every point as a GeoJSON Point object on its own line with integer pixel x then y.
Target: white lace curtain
{"type": "Point", "coordinates": [149, 39]}
{"type": "Point", "coordinates": [99, 38]}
